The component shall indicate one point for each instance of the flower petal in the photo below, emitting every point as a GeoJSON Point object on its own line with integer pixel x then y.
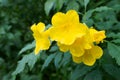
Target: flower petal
{"type": "Point", "coordinates": [96, 52]}
{"type": "Point", "coordinates": [73, 16]}
{"type": "Point", "coordinates": [88, 59]}
{"type": "Point", "coordinates": [66, 27]}
{"type": "Point", "coordinates": [77, 52]}
{"type": "Point", "coordinates": [41, 26]}
{"type": "Point", "coordinates": [58, 19]}
{"type": "Point", "coordinates": [97, 36]}
{"type": "Point", "coordinates": [62, 47]}
{"type": "Point", "coordinates": [38, 28]}
{"type": "Point", "coordinates": [77, 59]}
{"type": "Point", "coordinates": [77, 48]}
{"type": "Point", "coordinates": [67, 34]}
{"type": "Point", "coordinates": [64, 36]}
{"type": "Point", "coordinates": [41, 37]}
{"type": "Point", "coordinates": [42, 43]}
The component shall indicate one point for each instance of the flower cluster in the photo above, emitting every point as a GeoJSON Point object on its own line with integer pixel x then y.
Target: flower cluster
{"type": "Point", "coordinates": [71, 35]}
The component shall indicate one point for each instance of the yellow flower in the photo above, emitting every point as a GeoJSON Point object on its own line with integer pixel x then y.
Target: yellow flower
{"type": "Point", "coordinates": [66, 27]}
{"type": "Point", "coordinates": [97, 36]}
{"type": "Point", "coordinates": [89, 56]}
{"type": "Point", "coordinates": [41, 37]}
{"type": "Point", "coordinates": [77, 48]}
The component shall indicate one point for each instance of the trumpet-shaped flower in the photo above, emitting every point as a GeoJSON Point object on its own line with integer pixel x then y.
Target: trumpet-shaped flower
{"type": "Point", "coordinates": [89, 56]}
{"type": "Point", "coordinates": [97, 36]}
{"type": "Point", "coordinates": [66, 27]}
{"type": "Point", "coordinates": [70, 35]}
{"type": "Point", "coordinates": [41, 37]}
{"type": "Point", "coordinates": [77, 48]}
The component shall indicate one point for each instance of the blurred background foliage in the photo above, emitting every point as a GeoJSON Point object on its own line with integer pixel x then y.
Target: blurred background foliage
{"type": "Point", "coordinates": [17, 59]}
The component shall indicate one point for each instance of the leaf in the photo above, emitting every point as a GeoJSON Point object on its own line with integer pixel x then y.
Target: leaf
{"type": "Point", "coordinates": [94, 75]}
{"type": "Point", "coordinates": [27, 47]}
{"type": "Point", "coordinates": [80, 71]}
{"type": "Point", "coordinates": [59, 4]}
{"type": "Point", "coordinates": [86, 2]}
{"type": "Point", "coordinates": [32, 59]}
{"type": "Point", "coordinates": [89, 13]}
{"type": "Point", "coordinates": [53, 48]}
{"type": "Point", "coordinates": [47, 61]}
{"type": "Point", "coordinates": [66, 59]}
{"type": "Point", "coordinates": [49, 5]}
{"type": "Point", "coordinates": [1, 61]}
{"type": "Point", "coordinates": [57, 59]}
{"type": "Point", "coordinates": [114, 51]}
{"type": "Point", "coordinates": [29, 59]}
{"type": "Point", "coordinates": [117, 41]}
{"type": "Point", "coordinates": [112, 70]}
{"type": "Point", "coordinates": [113, 35]}
{"type": "Point", "coordinates": [72, 5]}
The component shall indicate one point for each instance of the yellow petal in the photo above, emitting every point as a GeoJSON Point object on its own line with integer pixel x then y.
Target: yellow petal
{"type": "Point", "coordinates": [41, 26]}
{"type": "Point", "coordinates": [62, 47]}
{"type": "Point", "coordinates": [92, 32]}
{"type": "Point", "coordinates": [65, 35]}
{"type": "Point", "coordinates": [97, 36]}
{"type": "Point", "coordinates": [66, 27]}
{"type": "Point", "coordinates": [88, 59]}
{"type": "Point", "coordinates": [38, 28]}
{"type": "Point", "coordinates": [73, 16]}
{"type": "Point", "coordinates": [42, 43]}
{"type": "Point", "coordinates": [96, 52]}
{"type": "Point", "coordinates": [77, 52]}
{"type": "Point", "coordinates": [77, 59]}
{"type": "Point", "coordinates": [77, 48]}
{"type": "Point", "coordinates": [58, 19]}
{"type": "Point", "coordinates": [33, 27]}
{"type": "Point", "coordinates": [41, 37]}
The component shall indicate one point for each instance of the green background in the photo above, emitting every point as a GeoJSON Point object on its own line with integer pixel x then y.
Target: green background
{"type": "Point", "coordinates": [17, 59]}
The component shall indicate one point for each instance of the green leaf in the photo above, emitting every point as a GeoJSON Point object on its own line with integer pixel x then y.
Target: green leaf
{"type": "Point", "coordinates": [49, 5]}
{"type": "Point", "coordinates": [117, 41]}
{"type": "Point", "coordinates": [47, 61]}
{"type": "Point", "coordinates": [53, 48]}
{"type": "Point", "coordinates": [66, 59]}
{"type": "Point", "coordinates": [114, 35]}
{"type": "Point", "coordinates": [29, 59]}
{"type": "Point", "coordinates": [1, 61]}
{"type": "Point", "coordinates": [27, 47]}
{"type": "Point", "coordinates": [114, 51]}
{"type": "Point", "coordinates": [89, 13]}
{"type": "Point", "coordinates": [112, 70]}
{"type": "Point", "coordinates": [86, 2]}
{"type": "Point", "coordinates": [80, 71]}
{"type": "Point", "coordinates": [57, 59]}
{"type": "Point", "coordinates": [94, 75]}
{"type": "Point", "coordinates": [72, 5]}
{"type": "Point", "coordinates": [59, 4]}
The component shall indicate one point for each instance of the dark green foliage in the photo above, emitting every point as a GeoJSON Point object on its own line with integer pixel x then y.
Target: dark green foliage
{"type": "Point", "coordinates": [94, 75]}
{"type": "Point", "coordinates": [17, 59]}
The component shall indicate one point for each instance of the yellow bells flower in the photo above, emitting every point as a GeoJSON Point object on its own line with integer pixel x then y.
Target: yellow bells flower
{"type": "Point", "coordinates": [77, 48]}
{"type": "Point", "coordinates": [63, 48]}
{"type": "Point", "coordinates": [97, 36]}
{"type": "Point", "coordinates": [89, 56]}
{"type": "Point", "coordinates": [66, 27]}
{"type": "Point", "coordinates": [41, 37]}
